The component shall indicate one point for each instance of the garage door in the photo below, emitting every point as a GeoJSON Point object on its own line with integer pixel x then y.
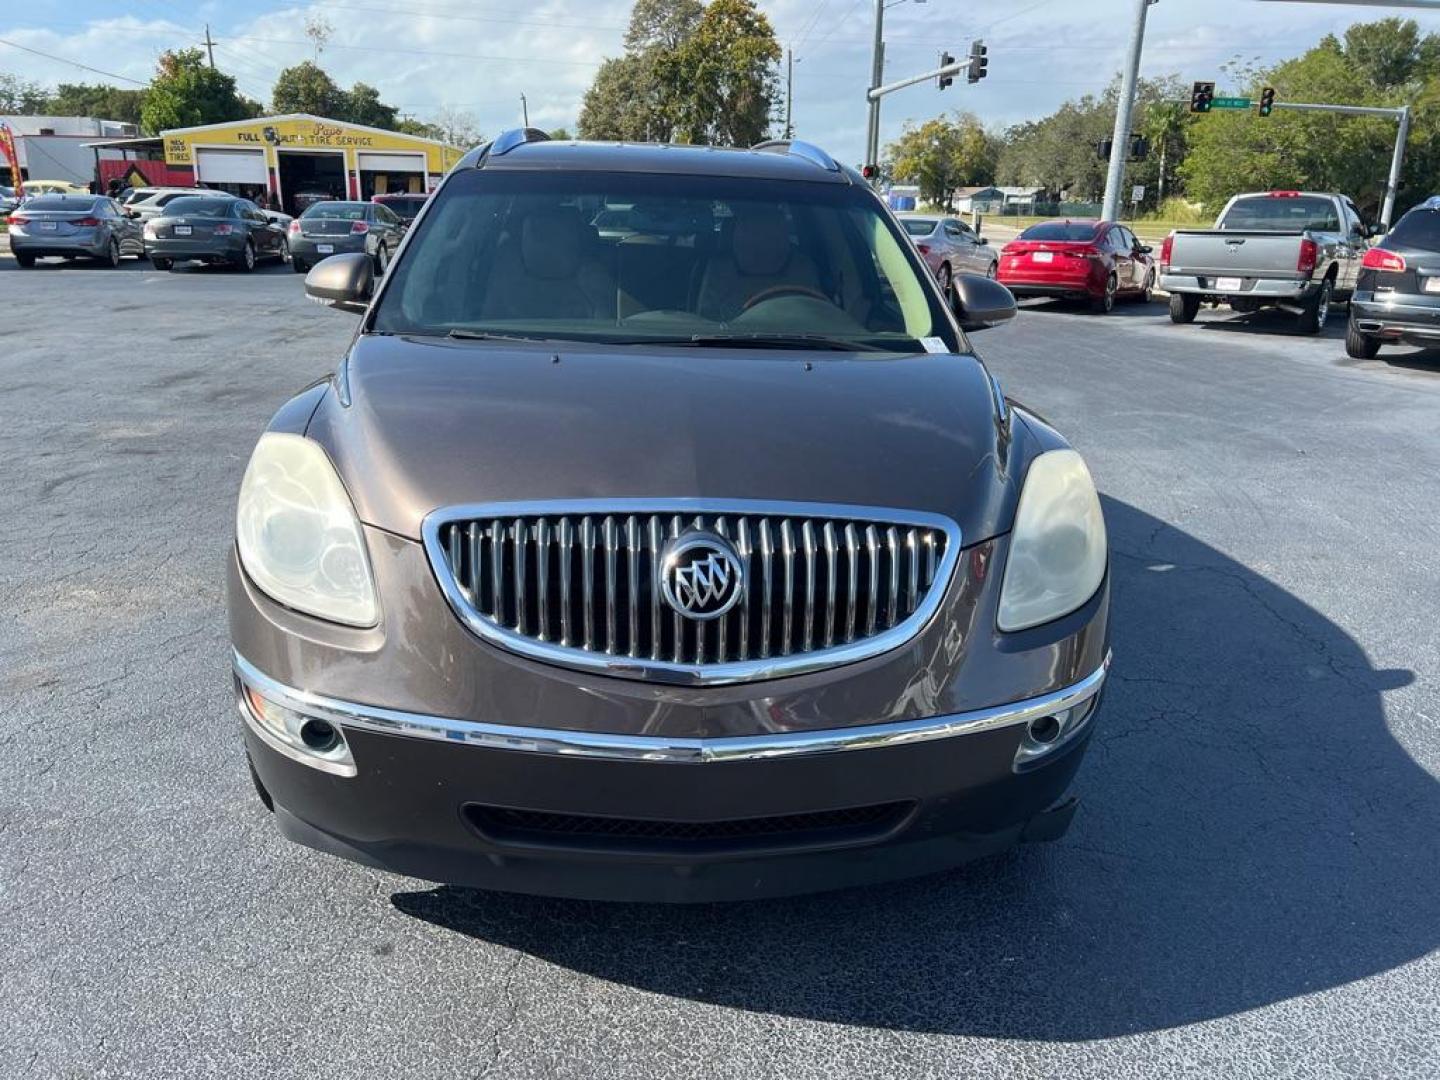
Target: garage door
{"type": "Point", "coordinates": [231, 166]}
{"type": "Point", "coordinates": [403, 163]}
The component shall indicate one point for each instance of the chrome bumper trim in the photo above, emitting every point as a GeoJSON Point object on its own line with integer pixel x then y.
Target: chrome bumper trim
{"type": "Point", "coordinates": [349, 715]}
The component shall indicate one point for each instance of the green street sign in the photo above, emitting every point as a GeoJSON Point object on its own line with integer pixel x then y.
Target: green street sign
{"type": "Point", "coordinates": [1230, 103]}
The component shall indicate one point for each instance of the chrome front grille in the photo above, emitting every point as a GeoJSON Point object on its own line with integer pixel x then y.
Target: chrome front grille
{"type": "Point", "coordinates": [576, 583]}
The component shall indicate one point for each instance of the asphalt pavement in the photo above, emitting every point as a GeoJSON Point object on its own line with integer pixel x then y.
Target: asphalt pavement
{"type": "Point", "coordinates": [1250, 889]}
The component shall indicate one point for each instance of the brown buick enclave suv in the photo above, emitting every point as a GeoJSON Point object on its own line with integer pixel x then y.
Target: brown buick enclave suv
{"type": "Point", "coordinates": [695, 556]}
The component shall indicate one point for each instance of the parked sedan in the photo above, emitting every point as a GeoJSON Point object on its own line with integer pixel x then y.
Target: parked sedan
{"type": "Point", "coordinates": [405, 207]}
{"type": "Point", "coordinates": [1397, 295]}
{"type": "Point", "coordinates": [574, 578]}
{"type": "Point", "coordinates": [1097, 261]}
{"type": "Point", "coordinates": [151, 202]}
{"type": "Point", "coordinates": [213, 228]}
{"type": "Point", "coordinates": [950, 247]}
{"type": "Point", "coordinates": [72, 226]}
{"type": "Point", "coordinates": [332, 228]}
{"type": "Point", "coordinates": [9, 200]}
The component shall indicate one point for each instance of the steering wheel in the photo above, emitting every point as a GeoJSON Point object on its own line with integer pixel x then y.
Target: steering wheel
{"type": "Point", "coordinates": [782, 290]}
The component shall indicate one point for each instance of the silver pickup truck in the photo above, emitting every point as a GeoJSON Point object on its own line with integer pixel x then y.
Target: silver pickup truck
{"type": "Point", "coordinates": [1295, 250]}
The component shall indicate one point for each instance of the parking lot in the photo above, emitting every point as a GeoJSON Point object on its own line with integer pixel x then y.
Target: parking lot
{"type": "Point", "coordinates": [1251, 886]}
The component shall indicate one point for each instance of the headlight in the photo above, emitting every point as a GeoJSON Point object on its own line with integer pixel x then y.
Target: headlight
{"type": "Point", "coordinates": [1057, 550]}
{"type": "Point", "coordinates": [298, 536]}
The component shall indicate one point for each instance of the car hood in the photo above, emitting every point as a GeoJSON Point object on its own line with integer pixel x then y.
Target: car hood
{"type": "Point", "coordinates": [432, 423]}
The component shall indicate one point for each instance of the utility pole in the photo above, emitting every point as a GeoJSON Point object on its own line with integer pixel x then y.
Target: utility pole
{"type": "Point", "coordinates": [1120, 143]}
{"type": "Point", "coordinates": [1397, 157]}
{"type": "Point", "coordinates": [877, 76]}
{"type": "Point", "coordinates": [789, 93]}
{"type": "Point", "coordinates": [525, 110]}
{"type": "Point", "coordinates": [209, 45]}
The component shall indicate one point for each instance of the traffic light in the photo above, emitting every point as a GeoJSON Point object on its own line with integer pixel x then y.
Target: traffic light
{"type": "Point", "coordinates": [1201, 95]}
{"type": "Point", "coordinates": [1102, 149]}
{"type": "Point", "coordinates": [945, 61]}
{"type": "Point", "coordinates": [1267, 101]}
{"type": "Point", "coordinates": [978, 62]}
{"type": "Point", "coordinates": [1139, 148]}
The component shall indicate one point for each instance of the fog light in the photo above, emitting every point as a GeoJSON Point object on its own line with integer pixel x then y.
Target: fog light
{"type": "Point", "coordinates": [1047, 734]}
{"type": "Point", "coordinates": [310, 740]}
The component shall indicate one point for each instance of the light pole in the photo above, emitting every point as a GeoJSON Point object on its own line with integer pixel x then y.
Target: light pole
{"type": "Point", "coordinates": [1124, 108]}
{"type": "Point", "coordinates": [877, 77]}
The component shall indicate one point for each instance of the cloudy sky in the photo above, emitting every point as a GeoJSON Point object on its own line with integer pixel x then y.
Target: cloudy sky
{"type": "Point", "coordinates": [480, 57]}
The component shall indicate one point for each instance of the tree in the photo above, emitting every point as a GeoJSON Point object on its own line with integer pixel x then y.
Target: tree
{"type": "Point", "coordinates": [943, 154]}
{"type": "Point", "coordinates": [306, 88]}
{"type": "Point", "coordinates": [727, 77]}
{"type": "Point", "coordinates": [105, 102]}
{"type": "Point", "coordinates": [362, 105]}
{"type": "Point", "coordinates": [635, 97]}
{"type": "Point", "coordinates": [561, 134]}
{"type": "Point", "coordinates": [1383, 63]}
{"type": "Point", "coordinates": [19, 97]}
{"type": "Point", "coordinates": [187, 92]}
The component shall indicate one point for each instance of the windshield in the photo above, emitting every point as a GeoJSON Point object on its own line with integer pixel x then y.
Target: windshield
{"type": "Point", "coordinates": [1417, 229]}
{"type": "Point", "coordinates": [535, 254]}
{"type": "Point", "coordinates": [1060, 230]}
{"type": "Point", "coordinates": [198, 206]}
{"type": "Point", "coordinates": [407, 206]}
{"type": "Point", "coordinates": [918, 226]}
{"type": "Point", "coordinates": [344, 211]}
{"type": "Point", "coordinates": [1282, 213]}
{"type": "Point", "coordinates": [61, 202]}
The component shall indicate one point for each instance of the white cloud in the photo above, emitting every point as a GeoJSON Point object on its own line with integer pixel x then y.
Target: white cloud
{"type": "Point", "coordinates": [425, 54]}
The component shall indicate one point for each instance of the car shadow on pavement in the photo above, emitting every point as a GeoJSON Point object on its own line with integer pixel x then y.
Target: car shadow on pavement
{"type": "Point", "coordinates": [1250, 832]}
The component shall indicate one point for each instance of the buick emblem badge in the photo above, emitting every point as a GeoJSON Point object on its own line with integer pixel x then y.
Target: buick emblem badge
{"type": "Point", "coordinates": [700, 575]}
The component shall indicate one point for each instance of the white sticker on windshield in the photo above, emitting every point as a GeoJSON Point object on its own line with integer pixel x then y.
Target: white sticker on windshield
{"type": "Point", "coordinates": [934, 344]}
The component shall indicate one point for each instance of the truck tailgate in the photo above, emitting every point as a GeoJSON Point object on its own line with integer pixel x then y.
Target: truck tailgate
{"type": "Point", "coordinates": [1235, 253]}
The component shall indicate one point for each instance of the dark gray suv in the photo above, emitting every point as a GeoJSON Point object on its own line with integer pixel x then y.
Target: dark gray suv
{"type": "Point", "coordinates": [699, 559]}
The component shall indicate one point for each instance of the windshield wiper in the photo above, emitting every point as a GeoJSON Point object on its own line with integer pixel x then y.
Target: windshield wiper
{"type": "Point", "coordinates": [773, 341]}
{"type": "Point", "coordinates": [481, 335]}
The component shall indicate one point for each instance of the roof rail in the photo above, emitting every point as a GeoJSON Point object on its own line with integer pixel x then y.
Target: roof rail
{"type": "Point", "coordinates": [798, 148]}
{"type": "Point", "coordinates": [510, 139]}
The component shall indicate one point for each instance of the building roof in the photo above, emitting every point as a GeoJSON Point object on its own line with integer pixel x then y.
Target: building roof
{"type": "Point", "coordinates": [658, 158]}
{"type": "Point", "coordinates": [967, 192]}
{"type": "Point", "coordinates": [262, 120]}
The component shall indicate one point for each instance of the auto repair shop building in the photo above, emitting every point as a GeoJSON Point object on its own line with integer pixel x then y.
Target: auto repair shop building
{"type": "Point", "coordinates": [285, 156]}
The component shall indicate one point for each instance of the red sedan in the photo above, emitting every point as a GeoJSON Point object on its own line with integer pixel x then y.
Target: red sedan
{"type": "Point", "coordinates": [1096, 261]}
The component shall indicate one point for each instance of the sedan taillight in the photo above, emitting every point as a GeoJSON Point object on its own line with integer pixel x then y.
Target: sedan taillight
{"type": "Point", "coordinates": [86, 222]}
{"type": "Point", "coordinates": [1309, 255]}
{"type": "Point", "coordinates": [224, 229]}
{"type": "Point", "coordinates": [1380, 259]}
{"type": "Point", "coordinates": [1165, 249]}
{"type": "Point", "coordinates": [924, 249]}
{"type": "Point", "coordinates": [294, 226]}
{"type": "Point", "coordinates": [16, 219]}
{"type": "Point", "coordinates": [359, 227]}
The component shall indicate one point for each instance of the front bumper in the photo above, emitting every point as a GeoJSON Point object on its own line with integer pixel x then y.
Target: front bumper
{"type": "Point", "coordinates": [1395, 320]}
{"type": "Point", "coordinates": [1265, 290]}
{"type": "Point", "coordinates": [654, 818]}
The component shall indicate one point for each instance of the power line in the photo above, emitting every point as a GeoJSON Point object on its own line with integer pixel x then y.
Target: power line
{"type": "Point", "coordinates": [73, 63]}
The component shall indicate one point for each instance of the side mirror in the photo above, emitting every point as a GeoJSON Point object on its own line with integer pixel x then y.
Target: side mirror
{"type": "Point", "coordinates": [132, 213]}
{"type": "Point", "coordinates": [1145, 249]}
{"type": "Point", "coordinates": [342, 281]}
{"type": "Point", "coordinates": [980, 302]}
{"type": "Point", "coordinates": [983, 241]}
{"type": "Point", "coordinates": [1375, 230]}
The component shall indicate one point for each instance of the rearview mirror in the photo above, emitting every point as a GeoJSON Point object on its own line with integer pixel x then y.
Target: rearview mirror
{"type": "Point", "coordinates": [342, 281]}
{"type": "Point", "coordinates": [980, 302]}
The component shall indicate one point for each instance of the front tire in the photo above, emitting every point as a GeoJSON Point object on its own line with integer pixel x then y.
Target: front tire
{"type": "Point", "coordinates": [1316, 310]}
{"type": "Point", "coordinates": [1146, 293]}
{"type": "Point", "coordinates": [945, 278]}
{"type": "Point", "coordinates": [284, 251]}
{"type": "Point", "coordinates": [1184, 307]}
{"type": "Point", "coordinates": [24, 259]}
{"type": "Point", "coordinates": [382, 260]}
{"type": "Point", "coordinates": [247, 258]}
{"type": "Point", "coordinates": [1105, 303]}
{"type": "Point", "coordinates": [1360, 346]}
{"type": "Point", "coordinates": [111, 258]}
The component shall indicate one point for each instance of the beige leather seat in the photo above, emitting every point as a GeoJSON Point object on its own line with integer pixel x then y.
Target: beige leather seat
{"type": "Point", "coordinates": [548, 268]}
{"type": "Point", "coordinates": [760, 257]}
